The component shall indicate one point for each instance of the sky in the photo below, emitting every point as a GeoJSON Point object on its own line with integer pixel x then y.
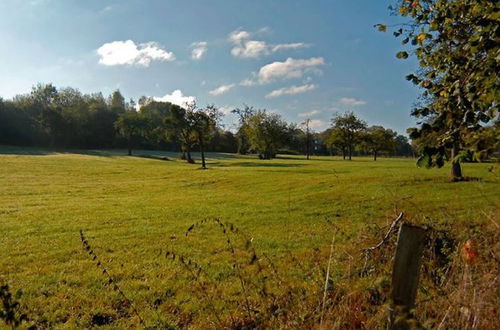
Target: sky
{"type": "Point", "coordinates": [300, 58]}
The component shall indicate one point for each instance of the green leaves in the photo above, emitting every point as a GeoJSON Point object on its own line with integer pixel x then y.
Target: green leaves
{"type": "Point", "coordinates": [455, 45]}
{"type": "Point", "coordinates": [424, 161]}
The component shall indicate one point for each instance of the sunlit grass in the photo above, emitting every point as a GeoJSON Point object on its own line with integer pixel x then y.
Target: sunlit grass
{"type": "Point", "coordinates": [132, 208]}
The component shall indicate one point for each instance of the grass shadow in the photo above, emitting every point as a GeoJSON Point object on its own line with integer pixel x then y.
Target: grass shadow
{"type": "Point", "coordinates": [262, 163]}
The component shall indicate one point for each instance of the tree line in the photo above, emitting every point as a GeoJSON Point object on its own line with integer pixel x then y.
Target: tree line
{"type": "Point", "coordinates": [66, 118]}
{"type": "Point", "coordinates": [455, 42]}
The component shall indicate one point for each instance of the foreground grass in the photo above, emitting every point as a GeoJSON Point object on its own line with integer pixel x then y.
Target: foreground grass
{"type": "Point", "coordinates": [133, 208]}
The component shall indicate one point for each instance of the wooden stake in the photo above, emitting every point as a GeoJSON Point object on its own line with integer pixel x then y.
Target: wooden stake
{"type": "Point", "coordinates": [405, 274]}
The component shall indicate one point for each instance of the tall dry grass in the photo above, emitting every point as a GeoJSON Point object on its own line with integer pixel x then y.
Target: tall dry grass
{"type": "Point", "coordinates": [324, 288]}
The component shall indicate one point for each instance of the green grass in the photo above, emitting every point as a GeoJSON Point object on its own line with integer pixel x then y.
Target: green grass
{"type": "Point", "coordinates": [133, 208]}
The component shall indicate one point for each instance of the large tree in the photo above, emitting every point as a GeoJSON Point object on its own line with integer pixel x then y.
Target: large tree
{"type": "Point", "coordinates": [457, 45]}
{"type": "Point", "coordinates": [266, 133]}
{"type": "Point", "coordinates": [377, 139]}
{"type": "Point", "coordinates": [349, 127]}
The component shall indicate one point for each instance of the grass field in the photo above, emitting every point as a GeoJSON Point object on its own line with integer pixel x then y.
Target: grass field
{"type": "Point", "coordinates": [133, 208]}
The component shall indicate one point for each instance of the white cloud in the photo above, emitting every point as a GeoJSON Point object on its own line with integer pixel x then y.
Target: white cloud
{"type": "Point", "coordinates": [221, 89]}
{"type": "Point", "coordinates": [310, 113]}
{"type": "Point", "coordinates": [317, 123]}
{"type": "Point", "coordinates": [176, 98]}
{"type": "Point", "coordinates": [226, 110]}
{"type": "Point", "coordinates": [351, 101]}
{"type": "Point", "coordinates": [292, 90]}
{"type": "Point", "coordinates": [246, 48]}
{"type": "Point", "coordinates": [255, 49]}
{"type": "Point", "coordinates": [130, 53]}
{"type": "Point", "coordinates": [238, 36]}
{"type": "Point", "coordinates": [248, 82]}
{"type": "Point", "coordinates": [250, 49]}
{"type": "Point", "coordinates": [296, 45]}
{"type": "Point", "coordinates": [289, 69]}
{"type": "Point", "coordinates": [199, 50]}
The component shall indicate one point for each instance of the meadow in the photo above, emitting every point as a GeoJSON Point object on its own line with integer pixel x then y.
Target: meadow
{"type": "Point", "coordinates": [134, 209]}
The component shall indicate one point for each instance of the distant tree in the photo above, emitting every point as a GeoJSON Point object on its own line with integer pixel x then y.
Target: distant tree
{"type": "Point", "coordinates": [403, 146]}
{"type": "Point", "coordinates": [117, 102]}
{"type": "Point", "coordinates": [243, 116]}
{"type": "Point", "coordinates": [223, 141]}
{"type": "Point", "coordinates": [336, 142]}
{"type": "Point", "coordinates": [131, 125]}
{"type": "Point", "coordinates": [156, 113]}
{"type": "Point", "coordinates": [266, 133]}
{"type": "Point", "coordinates": [100, 130]}
{"type": "Point", "coordinates": [145, 100]}
{"type": "Point", "coordinates": [377, 139]}
{"type": "Point", "coordinates": [296, 139]}
{"type": "Point", "coordinates": [347, 128]}
{"type": "Point", "coordinates": [179, 126]}
{"type": "Point", "coordinates": [204, 125]}
{"type": "Point", "coordinates": [42, 102]}
{"type": "Point", "coordinates": [308, 137]}
{"type": "Point", "coordinates": [4, 122]}
{"type": "Point", "coordinates": [74, 115]}
{"type": "Point", "coordinates": [456, 44]}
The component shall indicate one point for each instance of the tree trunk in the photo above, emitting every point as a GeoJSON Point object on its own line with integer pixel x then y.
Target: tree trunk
{"type": "Point", "coordinates": [188, 155]}
{"type": "Point", "coordinates": [350, 153]}
{"type": "Point", "coordinates": [202, 151]}
{"type": "Point", "coordinates": [307, 147]}
{"type": "Point", "coordinates": [456, 169]}
{"type": "Point", "coordinates": [129, 144]}
{"type": "Point", "coordinates": [375, 156]}
{"type": "Point", "coordinates": [343, 153]}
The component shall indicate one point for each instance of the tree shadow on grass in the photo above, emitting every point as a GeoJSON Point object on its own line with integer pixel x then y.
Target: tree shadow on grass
{"type": "Point", "coordinates": [35, 151]}
{"type": "Point", "coordinates": [262, 163]}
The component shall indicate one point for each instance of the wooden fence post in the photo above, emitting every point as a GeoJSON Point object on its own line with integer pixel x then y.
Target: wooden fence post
{"type": "Point", "coordinates": [405, 274]}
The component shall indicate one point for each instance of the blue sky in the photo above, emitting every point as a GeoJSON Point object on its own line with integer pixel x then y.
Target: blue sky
{"type": "Point", "coordinates": [303, 59]}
